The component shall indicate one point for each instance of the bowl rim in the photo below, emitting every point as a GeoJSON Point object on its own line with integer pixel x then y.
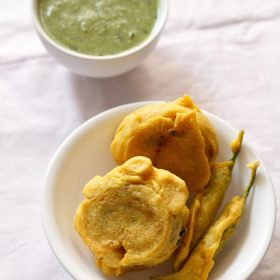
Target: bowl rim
{"type": "Point", "coordinates": [163, 7]}
{"type": "Point", "coordinates": [48, 188]}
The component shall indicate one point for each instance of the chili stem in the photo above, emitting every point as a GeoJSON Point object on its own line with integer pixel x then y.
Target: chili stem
{"type": "Point", "coordinates": [236, 145]}
{"type": "Point", "coordinates": [254, 166]}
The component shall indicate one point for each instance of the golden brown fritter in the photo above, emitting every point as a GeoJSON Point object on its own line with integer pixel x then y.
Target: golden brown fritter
{"type": "Point", "coordinates": [176, 136]}
{"type": "Point", "coordinates": [132, 217]}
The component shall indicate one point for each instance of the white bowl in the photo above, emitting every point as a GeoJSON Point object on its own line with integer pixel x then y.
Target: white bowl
{"type": "Point", "coordinates": [102, 66]}
{"type": "Point", "coordinates": [85, 153]}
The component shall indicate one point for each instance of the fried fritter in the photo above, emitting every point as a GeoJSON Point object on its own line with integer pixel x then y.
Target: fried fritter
{"type": "Point", "coordinates": [132, 217]}
{"type": "Point", "coordinates": [176, 136]}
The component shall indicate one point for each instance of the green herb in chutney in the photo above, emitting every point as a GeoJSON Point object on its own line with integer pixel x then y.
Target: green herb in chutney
{"type": "Point", "coordinates": [98, 27]}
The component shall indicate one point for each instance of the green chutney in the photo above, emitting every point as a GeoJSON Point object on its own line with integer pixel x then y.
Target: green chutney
{"type": "Point", "coordinates": [98, 27]}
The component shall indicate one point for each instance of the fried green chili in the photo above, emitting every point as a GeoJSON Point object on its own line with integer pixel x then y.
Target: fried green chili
{"type": "Point", "coordinates": [209, 201]}
{"type": "Point", "coordinates": [201, 260]}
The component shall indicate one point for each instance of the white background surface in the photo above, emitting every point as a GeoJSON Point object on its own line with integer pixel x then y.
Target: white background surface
{"type": "Point", "coordinates": [225, 54]}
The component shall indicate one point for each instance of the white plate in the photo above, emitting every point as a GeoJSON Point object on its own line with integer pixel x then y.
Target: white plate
{"type": "Point", "coordinates": [85, 153]}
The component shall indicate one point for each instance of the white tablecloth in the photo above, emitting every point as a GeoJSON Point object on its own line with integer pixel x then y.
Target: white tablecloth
{"type": "Point", "coordinates": [225, 54]}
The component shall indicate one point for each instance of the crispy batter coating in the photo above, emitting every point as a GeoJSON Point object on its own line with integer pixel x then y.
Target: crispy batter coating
{"type": "Point", "coordinates": [184, 248]}
{"type": "Point", "coordinates": [207, 202]}
{"type": "Point", "coordinates": [176, 136]}
{"type": "Point", "coordinates": [201, 261]}
{"type": "Point", "coordinates": [132, 217]}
